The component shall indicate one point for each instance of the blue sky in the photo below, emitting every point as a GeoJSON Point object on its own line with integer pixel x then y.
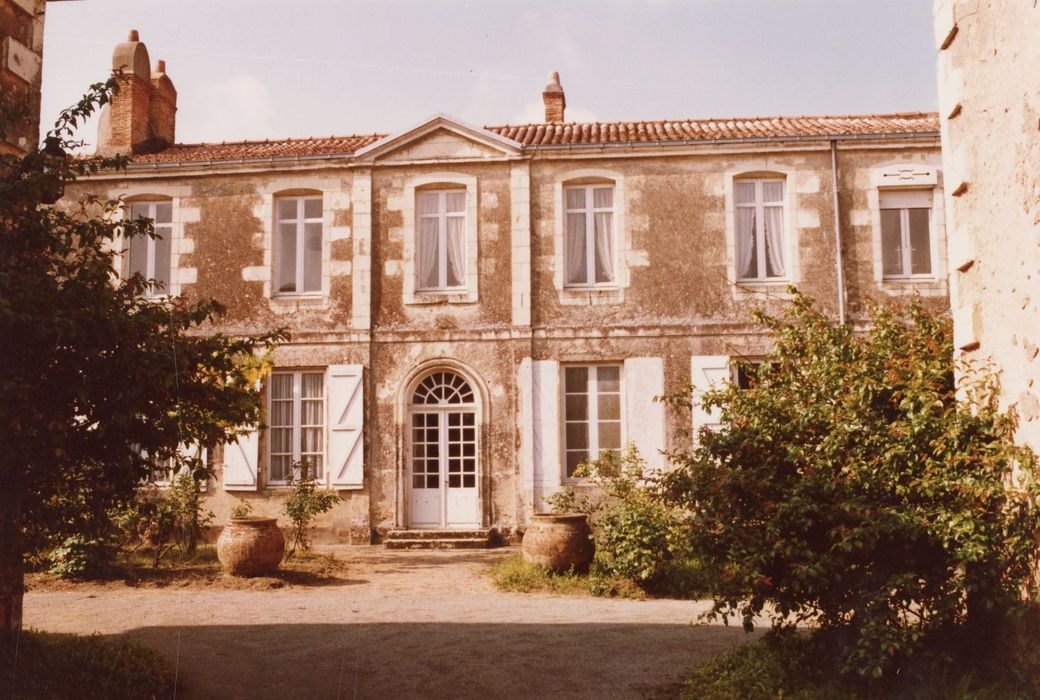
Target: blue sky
{"type": "Point", "coordinates": [248, 69]}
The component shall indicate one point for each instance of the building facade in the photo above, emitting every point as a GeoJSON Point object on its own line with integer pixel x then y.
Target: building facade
{"type": "Point", "coordinates": [990, 110]}
{"type": "Point", "coordinates": [476, 310]}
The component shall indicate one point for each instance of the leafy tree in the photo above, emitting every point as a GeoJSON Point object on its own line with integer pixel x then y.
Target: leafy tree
{"type": "Point", "coordinates": [94, 376]}
{"type": "Point", "coordinates": [856, 487]}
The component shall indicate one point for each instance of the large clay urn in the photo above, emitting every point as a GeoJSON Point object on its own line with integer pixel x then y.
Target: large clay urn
{"type": "Point", "coordinates": [559, 541]}
{"type": "Point", "coordinates": [251, 546]}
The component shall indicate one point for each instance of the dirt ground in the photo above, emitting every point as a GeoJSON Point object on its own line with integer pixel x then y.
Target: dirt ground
{"type": "Point", "coordinates": [396, 625]}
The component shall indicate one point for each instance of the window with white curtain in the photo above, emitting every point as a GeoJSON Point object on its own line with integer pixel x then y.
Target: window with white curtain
{"type": "Point", "coordinates": [441, 244]}
{"type": "Point", "coordinates": [296, 424]}
{"type": "Point", "coordinates": [592, 413]}
{"type": "Point", "coordinates": [759, 206]}
{"type": "Point", "coordinates": [150, 257]}
{"type": "Point", "coordinates": [298, 245]}
{"type": "Point", "coordinates": [906, 237]}
{"type": "Point", "coordinates": [589, 235]}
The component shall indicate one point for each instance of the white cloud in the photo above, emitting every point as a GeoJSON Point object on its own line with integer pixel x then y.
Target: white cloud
{"type": "Point", "coordinates": [237, 108]}
{"type": "Point", "coordinates": [535, 112]}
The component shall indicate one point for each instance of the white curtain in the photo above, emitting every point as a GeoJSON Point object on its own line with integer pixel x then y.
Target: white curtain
{"type": "Point", "coordinates": [604, 246]}
{"type": "Point", "coordinates": [774, 225]}
{"type": "Point", "coordinates": [746, 240]}
{"type": "Point", "coordinates": [456, 236]}
{"type": "Point", "coordinates": [576, 264]}
{"type": "Point", "coordinates": [429, 211]}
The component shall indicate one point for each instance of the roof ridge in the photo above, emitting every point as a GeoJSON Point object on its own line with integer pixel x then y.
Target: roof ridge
{"type": "Point", "coordinates": [869, 115]}
{"type": "Point", "coordinates": [287, 139]}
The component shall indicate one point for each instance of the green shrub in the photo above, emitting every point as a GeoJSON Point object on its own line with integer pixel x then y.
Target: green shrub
{"type": "Point", "coordinates": [305, 502]}
{"type": "Point", "coordinates": [241, 509]}
{"type": "Point", "coordinates": [80, 556]}
{"type": "Point", "coordinates": [49, 666]}
{"type": "Point", "coordinates": [515, 574]}
{"type": "Point", "coordinates": [855, 486]}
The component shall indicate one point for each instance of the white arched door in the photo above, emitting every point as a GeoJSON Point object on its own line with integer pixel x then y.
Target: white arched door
{"type": "Point", "coordinates": [442, 450]}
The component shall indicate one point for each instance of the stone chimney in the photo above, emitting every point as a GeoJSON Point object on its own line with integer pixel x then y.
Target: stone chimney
{"type": "Point", "coordinates": [141, 116]}
{"type": "Point", "coordinates": [555, 101]}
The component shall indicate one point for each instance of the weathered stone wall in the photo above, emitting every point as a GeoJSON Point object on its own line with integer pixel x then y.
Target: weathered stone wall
{"type": "Point", "coordinates": [21, 56]}
{"type": "Point", "coordinates": [990, 110]}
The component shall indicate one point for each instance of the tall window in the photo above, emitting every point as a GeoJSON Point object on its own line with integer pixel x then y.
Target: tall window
{"type": "Point", "coordinates": [760, 229]}
{"type": "Point", "coordinates": [150, 257]}
{"type": "Point", "coordinates": [906, 238]}
{"type": "Point", "coordinates": [589, 237]}
{"type": "Point", "coordinates": [592, 412]}
{"type": "Point", "coordinates": [298, 229]}
{"type": "Point", "coordinates": [442, 240]}
{"type": "Point", "coordinates": [296, 423]}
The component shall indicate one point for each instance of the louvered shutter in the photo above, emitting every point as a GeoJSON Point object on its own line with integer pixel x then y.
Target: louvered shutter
{"type": "Point", "coordinates": [240, 462]}
{"type": "Point", "coordinates": [706, 372]}
{"type": "Point", "coordinates": [346, 422]}
{"type": "Point", "coordinates": [644, 417]}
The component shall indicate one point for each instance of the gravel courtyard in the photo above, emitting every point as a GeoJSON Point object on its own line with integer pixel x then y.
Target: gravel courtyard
{"type": "Point", "coordinates": [403, 625]}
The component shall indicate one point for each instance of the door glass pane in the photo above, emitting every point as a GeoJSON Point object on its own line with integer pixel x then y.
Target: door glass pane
{"type": "Point", "coordinates": [312, 257]}
{"type": "Point", "coordinates": [920, 242]}
{"type": "Point", "coordinates": [891, 242]}
{"type": "Point", "coordinates": [287, 257]}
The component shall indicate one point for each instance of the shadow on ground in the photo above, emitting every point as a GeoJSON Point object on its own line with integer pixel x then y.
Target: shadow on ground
{"type": "Point", "coordinates": [434, 660]}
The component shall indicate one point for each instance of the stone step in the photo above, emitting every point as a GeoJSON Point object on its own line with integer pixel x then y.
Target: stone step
{"type": "Point", "coordinates": [443, 543]}
{"type": "Point", "coordinates": [438, 534]}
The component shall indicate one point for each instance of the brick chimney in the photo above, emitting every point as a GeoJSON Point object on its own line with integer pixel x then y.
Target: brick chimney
{"type": "Point", "coordinates": [555, 101]}
{"type": "Point", "coordinates": [141, 116]}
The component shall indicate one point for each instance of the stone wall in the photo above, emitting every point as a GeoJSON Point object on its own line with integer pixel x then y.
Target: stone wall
{"type": "Point", "coordinates": [989, 100]}
{"type": "Point", "coordinates": [21, 59]}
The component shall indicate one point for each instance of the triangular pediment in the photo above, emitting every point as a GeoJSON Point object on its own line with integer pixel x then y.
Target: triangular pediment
{"type": "Point", "coordinates": [438, 139]}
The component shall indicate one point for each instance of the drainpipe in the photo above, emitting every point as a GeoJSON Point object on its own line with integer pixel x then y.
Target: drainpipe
{"type": "Point", "coordinates": [837, 233]}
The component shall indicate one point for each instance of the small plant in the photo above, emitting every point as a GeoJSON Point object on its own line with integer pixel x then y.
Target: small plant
{"type": "Point", "coordinates": [515, 574]}
{"type": "Point", "coordinates": [305, 502]}
{"type": "Point", "coordinates": [241, 509]}
{"type": "Point", "coordinates": [80, 555]}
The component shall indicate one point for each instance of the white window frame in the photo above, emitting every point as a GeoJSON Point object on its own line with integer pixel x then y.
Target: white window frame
{"type": "Point", "coordinates": [592, 419]}
{"type": "Point", "coordinates": [149, 266]}
{"type": "Point", "coordinates": [759, 206]}
{"type": "Point", "coordinates": [297, 423]}
{"type": "Point", "coordinates": [906, 252]}
{"type": "Point", "coordinates": [442, 217]}
{"type": "Point", "coordinates": [301, 221]}
{"type": "Point", "coordinates": [590, 210]}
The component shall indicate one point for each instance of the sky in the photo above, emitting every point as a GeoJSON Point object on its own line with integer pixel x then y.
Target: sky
{"type": "Point", "coordinates": [256, 69]}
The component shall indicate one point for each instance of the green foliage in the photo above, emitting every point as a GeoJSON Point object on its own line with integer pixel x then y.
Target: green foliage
{"type": "Point", "coordinates": [241, 509]}
{"type": "Point", "coordinates": [515, 574]}
{"type": "Point", "coordinates": [80, 556]}
{"type": "Point", "coordinates": [851, 489]}
{"type": "Point", "coordinates": [306, 501]}
{"type": "Point", "coordinates": [639, 535]}
{"type": "Point", "coordinates": [48, 666]}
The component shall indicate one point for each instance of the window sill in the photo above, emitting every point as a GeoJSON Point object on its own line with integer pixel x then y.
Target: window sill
{"type": "Point", "coordinates": [294, 302]}
{"type": "Point", "coordinates": [906, 286]}
{"type": "Point", "coordinates": [447, 296]}
{"type": "Point", "coordinates": [591, 296]}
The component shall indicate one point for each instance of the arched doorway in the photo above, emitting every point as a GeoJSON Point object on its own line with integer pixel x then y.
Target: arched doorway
{"type": "Point", "coordinates": [443, 475]}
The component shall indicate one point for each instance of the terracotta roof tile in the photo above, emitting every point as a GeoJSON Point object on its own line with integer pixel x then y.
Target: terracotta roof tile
{"type": "Point", "coordinates": [593, 133]}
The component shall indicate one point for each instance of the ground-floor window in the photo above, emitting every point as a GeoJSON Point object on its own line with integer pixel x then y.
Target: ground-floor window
{"type": "Point", "coordinates": [297, 424]}
{"type": "Point", "coordinates": [592, 412]}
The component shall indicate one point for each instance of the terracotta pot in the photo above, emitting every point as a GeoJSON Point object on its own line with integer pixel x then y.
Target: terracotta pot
{"type": "Point", "coordinates": [559, 541]}
{"type": "Point", "coordinates": [251, 546]}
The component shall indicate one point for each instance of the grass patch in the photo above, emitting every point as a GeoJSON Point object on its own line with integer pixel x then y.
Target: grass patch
{"type": "Point", "coordinates": [517, 575]}
{"type": "Point", "coordinates": [798, 667]}
{"type": "Point", "coordinates": [50, 666]}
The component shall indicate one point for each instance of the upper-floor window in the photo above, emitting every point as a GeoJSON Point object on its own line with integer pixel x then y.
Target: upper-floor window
{"type": "Point", "coordinates": [297, 424]}
{"type": "Point", "coordinates": [589, 235]}
{"type": "Point", "coordinates": [299, 245]}
{"type": "Point", "coordinates": [592, 412]}
{"type": "Point", "coordinates": [148, 256]}
{"type": "Point", "coordinates": [906, 237]}
{"type": "Point", "coordinates": [759, 208]}
{"type": "Point", "coordinates": [441, 243]}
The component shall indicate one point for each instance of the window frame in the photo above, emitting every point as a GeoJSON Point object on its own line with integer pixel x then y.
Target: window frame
{"type": "Point", "coordinates": [590, 210]}
{"type": "Point", "coordinates": [301, 222]}
{"type": "Point", "coordinates": [906, 250]}
{"type": "Point", "coordinates": [759, 205]}
{"type": "Point", "coordinates": [151, 291]}
{"type": "Point", "coordinates": [592, 412]}
{"type": "Point", "coordinates": [442, 238]}
{"type": "Point", "coordinates": [297, 425]}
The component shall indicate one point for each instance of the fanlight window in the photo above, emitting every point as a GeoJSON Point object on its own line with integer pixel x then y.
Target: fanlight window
{"type": "Point", "coordinates": [442, 388]}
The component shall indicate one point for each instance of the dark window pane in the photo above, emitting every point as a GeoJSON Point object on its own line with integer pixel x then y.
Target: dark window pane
{"type": "Point", "coordinates": [609, 435]}
{"type": "Point", "coordinates": [920, 242]}
{"type": "Point", "coordinates": [577, 407]}
{"type": "Point", "coordinates": [574, 459]}
{"type": "Point", "coordinates": [608, 379]}
{"type": "Point", "coordinates": [469, 481]}
{"type": "Point", "coordinates": [576, 380]}
{"type": "Point", "coordinates": [577, 436]}
{"type": "Point", "coordinates": [891, 242]}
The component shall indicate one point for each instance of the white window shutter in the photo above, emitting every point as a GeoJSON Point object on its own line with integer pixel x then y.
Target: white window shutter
{"type": "Point", "coordinates": [240, 462]}
{"type": "Point", "coordinates": [346, 422]}
{"type": "Point", "coordinates": [707, 372]}
{"type": "Point", "coordinates": [545, 405]}
{"type": "Point", "coordinates": [644, 417]}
